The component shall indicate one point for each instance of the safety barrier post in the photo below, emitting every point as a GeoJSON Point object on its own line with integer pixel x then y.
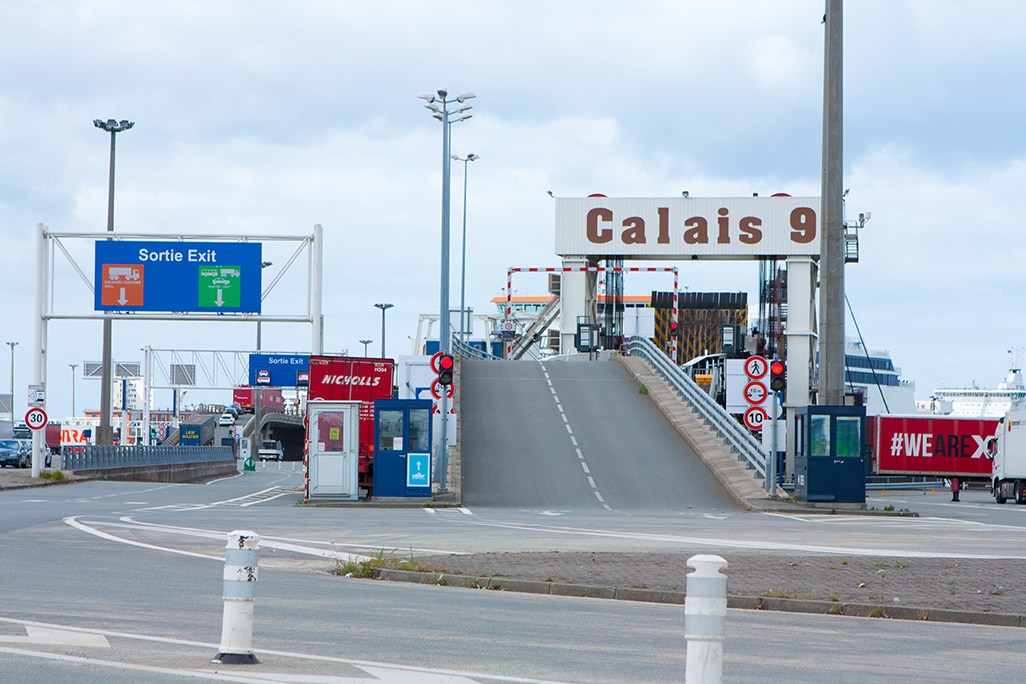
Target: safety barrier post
{"type": "Point", "coordinates": [705, 618]}
{"type": "Point", "coordinates": [240, 576]}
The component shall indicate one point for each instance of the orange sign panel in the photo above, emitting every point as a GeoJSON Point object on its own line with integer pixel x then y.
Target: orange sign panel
{"type": "Point", "coordinates": [122, 285]}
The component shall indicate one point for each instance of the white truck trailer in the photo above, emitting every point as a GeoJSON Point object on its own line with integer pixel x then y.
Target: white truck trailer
{"type": "Point", "coordinates": [1007, 450]}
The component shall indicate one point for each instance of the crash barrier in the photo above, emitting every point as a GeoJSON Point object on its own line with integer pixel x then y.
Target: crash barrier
{"type": "Point", "coordinates": [92, 457]}
{"type": "Point", "coordinates": [240, 576]}
{"type": "Point", "coordinates": [705, 619]}
{"type": "Point", "coordinates": [739, 439]}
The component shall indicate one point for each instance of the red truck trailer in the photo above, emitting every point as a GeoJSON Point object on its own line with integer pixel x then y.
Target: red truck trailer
{"type": "Point", "coordinates": [270, 398]}
{"type": "Point", "coordinates": [354, 379]}
{"type": "Point", "coordinates": [941, 446]}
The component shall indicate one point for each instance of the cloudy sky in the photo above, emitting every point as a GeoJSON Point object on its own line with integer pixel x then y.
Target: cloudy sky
{"type": "Point", "coordinates": [265, 118]}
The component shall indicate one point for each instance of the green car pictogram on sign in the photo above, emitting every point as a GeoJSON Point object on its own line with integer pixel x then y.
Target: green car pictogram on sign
{"type": "Point", "coordinates": [220, 286]}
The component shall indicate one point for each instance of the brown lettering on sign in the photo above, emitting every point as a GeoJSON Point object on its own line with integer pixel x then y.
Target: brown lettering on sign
{"type": "Point", "coordinates": [750, 233]}
{"type": "Point", "coordinates": [697, 232]}
{"type": "Point", "coordinates": [803, 224]}
{"type": "Point", "coordinates": [594, 234]}
{"type": "Point", "coordinates": [724, 223]}
{"type": "Point", "coordinates": [664, 226]}
{"type": "Point", "coordinates": [635, 233]}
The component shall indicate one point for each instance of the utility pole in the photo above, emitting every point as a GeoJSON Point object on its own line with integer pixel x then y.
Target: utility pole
{"type": "Point", "coordinates": [831, 314]}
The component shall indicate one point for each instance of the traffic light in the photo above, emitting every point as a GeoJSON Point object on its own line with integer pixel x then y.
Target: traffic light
{"type": "Point", "coordinates": [778, 372]}
{"type": "Point", "coordinates": [446, 366]}
{"type": "Point", "coordinates": [673, 328]}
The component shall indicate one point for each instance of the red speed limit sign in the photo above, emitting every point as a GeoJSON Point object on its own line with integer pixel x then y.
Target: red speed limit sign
{"type": "Point", "coordinates": [35, 418]}
{"type": "Point", "coordinates": [755, 417]}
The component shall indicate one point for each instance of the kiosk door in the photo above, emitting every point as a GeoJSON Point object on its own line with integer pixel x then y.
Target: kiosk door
{"type": "Point", "coordinates": [402, 456]}
{"type": "Point", "coordinates": [334, 436]}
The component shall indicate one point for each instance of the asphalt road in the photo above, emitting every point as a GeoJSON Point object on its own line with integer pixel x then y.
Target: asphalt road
{"type": "Point", "coordinates": [109, 581]}
{"type": "Point", "coordinates": [138, 567]}
{"type": "Point", "coordinates": [574, 435]}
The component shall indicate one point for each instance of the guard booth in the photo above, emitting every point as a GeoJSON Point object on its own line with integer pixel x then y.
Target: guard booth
{"type": "Point", "coordinates": [829, 454]}
{"type": "Point", "coordinates": [333, 443]}
{"type": "Point", "coordinates": [402, 452]}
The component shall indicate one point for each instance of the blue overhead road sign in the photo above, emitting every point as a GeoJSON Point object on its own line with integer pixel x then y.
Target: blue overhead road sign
{"type": "Point", "coordinates": [195, 277]}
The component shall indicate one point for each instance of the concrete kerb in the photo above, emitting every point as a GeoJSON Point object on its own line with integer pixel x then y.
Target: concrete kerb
{"type": "Point", "coordinates": [786, 605]}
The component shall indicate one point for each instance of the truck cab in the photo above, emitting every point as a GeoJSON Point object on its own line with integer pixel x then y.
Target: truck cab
{"type": "Point", "coordinates": [1007, 451]}
{"type": "Point", "coordinates": [270, 450]}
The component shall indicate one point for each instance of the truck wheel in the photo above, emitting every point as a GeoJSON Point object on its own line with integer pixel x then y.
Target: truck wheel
{"type": "Point", "coordinates": [998, 496]}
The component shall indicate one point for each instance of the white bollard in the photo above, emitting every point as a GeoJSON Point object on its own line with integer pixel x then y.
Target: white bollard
{"type": "Point", "coordinates": [705, 618]}
{"type": "Point", "coordinates": [240, 576]}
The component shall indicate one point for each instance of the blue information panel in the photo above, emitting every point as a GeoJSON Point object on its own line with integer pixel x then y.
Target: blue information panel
{"type": "Point", "coordinates": [279, 370]}
{"type": "Point", "coordinates": [418, 470]}
{"type": "Point", "coordinates": [195, 277]}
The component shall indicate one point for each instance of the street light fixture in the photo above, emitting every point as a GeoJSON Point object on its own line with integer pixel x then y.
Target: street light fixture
{"type": "Point", "coordinates": [12, 345]}
{"type": "Point", "coordinates": [73, 367]}
{"type": "Point", "coordinates": [383, 307]}
{"type": "Point", "coordinates": [439, 106]}
{"type": "Point", "coordinates": [104, 431]}
{"type": "Point", "coordinates": [463, 266]}
{"type": "Point", "coordinates": [365, 343]}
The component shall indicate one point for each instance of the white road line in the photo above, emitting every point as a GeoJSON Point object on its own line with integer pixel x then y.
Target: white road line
{"type": "Point", "coordinates": [743, 544]}
{"type": "Point", "coordinates": [388, 673]}
{"type": "Point", "coordinates": [71, 520]}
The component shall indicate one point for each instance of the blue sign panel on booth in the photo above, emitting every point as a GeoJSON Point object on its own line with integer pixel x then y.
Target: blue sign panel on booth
{"type": "Point", "coordinates": [418, 470]}
{"type": "Point", "coordinates": [279, 370]}
{"type": "Point", "coordinates": [193, 277]}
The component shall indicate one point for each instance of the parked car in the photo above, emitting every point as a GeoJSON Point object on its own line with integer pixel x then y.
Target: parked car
{"type": "Point", "coordinates": [13, 453]}
{"type": "Point", "coordinates": [227, 419]}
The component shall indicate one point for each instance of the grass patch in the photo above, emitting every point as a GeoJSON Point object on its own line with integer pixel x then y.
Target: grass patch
{"type": "Point", "coordinates": [390, 561]}
{"type": "Point", "coordinates": [642, 389]}
{"type": "Point", "coordinates": [878, 612]}
{"type": "Point", "coordinates": [52, 475]}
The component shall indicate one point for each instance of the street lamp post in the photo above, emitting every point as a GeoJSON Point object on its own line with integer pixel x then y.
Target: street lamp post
{"type": "Point", "coordinates": [104, 431]}
{"type": "Point", "coordinates": [263, 264]}
{"type": "Point", "coordinates": [12, 345]}
{"type": "Point", "coordinates": [73, 367]}
{"type": "Point", "coordinates": [463, 265]}
{"type": "Point", "coordinates": [439, 106]}
{"type": "Point", "coordinates": [365, 343]}
{"type": "Point", "coordinates": [383, 307]}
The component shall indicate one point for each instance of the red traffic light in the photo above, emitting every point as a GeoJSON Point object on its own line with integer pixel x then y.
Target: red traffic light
{"type": "Point", "coordinates": [778, 381]}
{"type": "Point", "coordinates": [446, 366]}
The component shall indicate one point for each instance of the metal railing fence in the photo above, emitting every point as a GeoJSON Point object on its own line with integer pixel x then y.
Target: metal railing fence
{"type": "Point", "coordinates": [92, 457]}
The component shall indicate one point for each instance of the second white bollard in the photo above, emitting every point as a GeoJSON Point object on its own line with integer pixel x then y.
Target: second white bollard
{"type": "Point", "coordinates": [705, 619]}
{"type": "Point", "coordinates": [240, 576]}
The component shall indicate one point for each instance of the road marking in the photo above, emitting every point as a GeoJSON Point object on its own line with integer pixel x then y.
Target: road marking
{"type": "Point", "coordinates": [388, 673]}
{"type": "Point", "coordinates": [719, 542]}
{"type": "Point", "coordinates": [50, 636]}
{"type": "Point", "coordinates": [573, 440]}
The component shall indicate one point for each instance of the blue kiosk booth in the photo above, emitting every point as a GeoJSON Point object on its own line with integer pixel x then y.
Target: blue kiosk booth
{"type": "Point", "coordinates": [830, 454]}
{"type": "Point", "coordinates": [402, 452]}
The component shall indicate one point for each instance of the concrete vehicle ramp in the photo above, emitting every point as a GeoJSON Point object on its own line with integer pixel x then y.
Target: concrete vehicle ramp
{"type": "Point", "coordinates": [574, 434]}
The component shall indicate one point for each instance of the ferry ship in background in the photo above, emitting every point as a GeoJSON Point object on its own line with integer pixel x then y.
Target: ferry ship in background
{"type": "Point", "coordinates": [976, 402]}
{"type": "Point", "coordinates": [872, 374]}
